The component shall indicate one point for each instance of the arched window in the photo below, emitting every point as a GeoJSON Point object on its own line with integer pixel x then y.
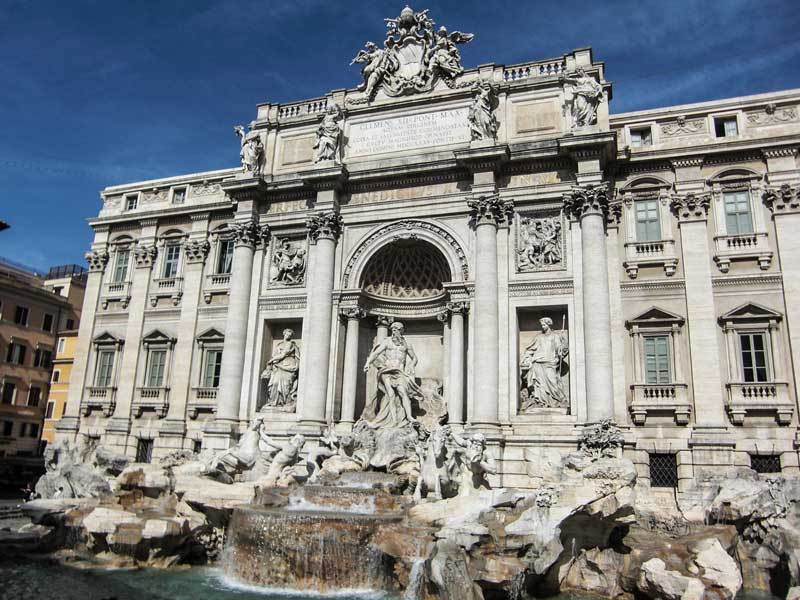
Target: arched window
{"type": "Point", "coordinates": [406, 269]}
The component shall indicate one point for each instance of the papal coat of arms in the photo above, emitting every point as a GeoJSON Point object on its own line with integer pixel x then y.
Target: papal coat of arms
{"type": "Point", "coordinates": [414, 57]}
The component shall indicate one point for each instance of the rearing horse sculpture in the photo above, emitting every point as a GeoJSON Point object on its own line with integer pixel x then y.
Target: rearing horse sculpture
{"type": "Point", "coordinates": [434, 468]}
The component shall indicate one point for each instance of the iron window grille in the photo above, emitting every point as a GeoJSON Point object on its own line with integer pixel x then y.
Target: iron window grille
{"type": "Point", "coordinates": [663, 470]}
{"type": "Point", "coordinates": [765, 463]}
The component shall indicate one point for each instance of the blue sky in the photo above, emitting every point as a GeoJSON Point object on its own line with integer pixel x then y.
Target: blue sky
{"type": "Point", "coordinates": [98, 93]}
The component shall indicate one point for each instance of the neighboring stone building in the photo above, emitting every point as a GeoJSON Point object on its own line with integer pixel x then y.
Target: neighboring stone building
{"type": "Point", "coordinates": [33, 308]}
{"type": "Point", "coordinates": [553, 265]}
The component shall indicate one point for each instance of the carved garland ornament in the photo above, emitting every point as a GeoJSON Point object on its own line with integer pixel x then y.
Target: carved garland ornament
{"type": "Point", "coordinates": [145, 255]}
{"type": "Point", "coordinates": [196, 250]}
{"type": "Point", "coordinates": [406, 227]}
{"type": "Point", "coordinates": [691, 206]}
{"type": "Point", "coordinates": [97, 259]}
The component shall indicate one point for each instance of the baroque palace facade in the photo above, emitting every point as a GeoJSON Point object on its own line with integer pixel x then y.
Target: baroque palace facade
{"type": "Point", "coordinates": [552, 265]}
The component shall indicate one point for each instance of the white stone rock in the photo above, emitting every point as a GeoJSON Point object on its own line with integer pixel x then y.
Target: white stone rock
{"type": "Point", "coordinates": [144, 476]}
{"type": "Point", "coordinates": [105, 520]}
{"type": "Point", "coordinates": [656, 581]}
{"type": "Point", "coordinates": [718, 568]}
{"type": "Point", "coordinates": [793, 594]}
{"type": "Point", "coordinates": [161, 528]}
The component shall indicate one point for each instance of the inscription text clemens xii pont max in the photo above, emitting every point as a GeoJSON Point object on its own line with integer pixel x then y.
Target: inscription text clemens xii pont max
{"type": "Point", "coordinates": [407, 133]}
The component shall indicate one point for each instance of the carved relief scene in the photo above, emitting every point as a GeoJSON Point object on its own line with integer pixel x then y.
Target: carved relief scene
{"type": "Point", "coordinates": [540, 242]}
{"type": "Point", "coordinates": [288, 264]}
{"type": "Point", "coordinates": [281, 366]}
{"type": "Point", "coordinates": [544, 362]}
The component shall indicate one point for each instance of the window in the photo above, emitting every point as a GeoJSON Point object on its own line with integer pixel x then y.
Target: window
{"type": "Point", "coordinates": [121, 265]}
{"type": "Point", "coordinates": [132, 202]}
{"type": "Point", "coordinates": [57, 289]}
{"type": "Point", "coordinates": [61, 343]}
{"type": "Point", "coordinates": [56, 376]}
{"type": "Point", "coordinates": [656, 359]}
{"type": "Point", "coordinates": [197, 446]}
{"type": "Point", "coordinates": [172, 255]}
{"type": "Point", "coordinates": [105, 368]}
{"type": "Point", "coordinates": [23, 427]}
{"type": "Point", "coordinates": [48, 413]}
{"type": "Point", "coordinates": [70, 324]}
{"type": "Point", "coordinates": [21, 316]}
{"type": "Point", "coordinates": [16, 354]}
{"type": "Point", "coordinates": [33, 430]}
{"type": "Point", "coordinates": [737, 213]}
{"type": "Point", "coordinates": [641, 137]}
{"type": "Point", "coordinates": [663, 471]}
{"type": "Point", "coordinates": [8, 427]}
{"type": "Point", "coordinates": [754, 357]}
{"type": "Point", "coordinates": [212, 368]}
{"type": "Point", "coordinates": [47, 322]}
{"type": "Point", "coordinates": [765, 463]}
{"type": "Point", "coordinates": [34, 395]}
{"type": "Point", "coordinates": [8, 392]}
{"type": "Point", "coordinates": [144, 451]}
{"type": "Point", "coordinates": [178, 195]}
{"type": "Point", "coordinates": [648, 227]}
{"type": "Point", "coordinates": [42, 358]}
{"type": "Point", "coordinates": [725, 127]}
{"type": "Point", "coordinates": [155, 368]}
{"type": "Point", "coordinates": [225, 258]}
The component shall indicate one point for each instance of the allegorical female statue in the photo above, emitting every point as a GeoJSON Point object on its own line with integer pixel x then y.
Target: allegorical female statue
{"type": "Point", "coordinates": [587, 95]}
{"type": "Point", "coordinates": [542, 365]}
{"type": "Point", "coordinates": [482, 122]}
{"type": "Point", "coordinates": [281, 373]}
{"type": "Point", "coordinates": [329, 134]}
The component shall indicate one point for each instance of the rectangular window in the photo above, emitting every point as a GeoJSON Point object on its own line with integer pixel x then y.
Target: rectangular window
{"type": "Point", "coordinates": [172, 255]}
{"type": "Point", "coordinates": [641, 137]}
{"type": "Point", "coordinates": [16, 353]}
{"type": "Point", "coordinates": [121, 265]}
{"type": "Point", "coordinates": [725, 127]}
{"type": "Point", "coordinates": [58, 289]}
{"type": "Point", "coordinates": [656, 359]}
{"type": "Point", "coordinates": [212, 368]}
{"type": "Point", "coordinates": [197, 446]}
{"type": "Point", "coordinates": [765, 463]}
{"type": "Point", "coordinates": [105, 368]}
{"type": "Point", "coordinates": [663, 471]}
{"type": "Point", "coordinates": [8, 392]}
{"type": "Point", "coordinates": [8, 428]}
{"type": "Point", "coordinates": [56, 376]}
{"type": "Point", "coordinates": [754, 357]}
{"type": "Point", "coordinates": [34, 395]}
{"type": "Point", "coordinates": [225, 258]}
{"type": "Point", "coordinates": [23, 427]}
{"type": "Point", "coordinates": [48, 414]}
{"type": "Point", "coordinates": [648, 226]}
{"type": "Point", "coordinates": [33, 430]}
{"type": "Point", "coordinates": [144, 451]}
{"type": "Point", "coordinates": [61, 343]}
{"type": "Point", "coordinates": [21, 316]}
{"type": "Point", "coordinates": [47, 322]}
{"type": "Point", "coordinates": [178, 195]}
{"type": "Point", "coordinates": [70, 324]}
{"type": "Point", "coordinates": [737, 213]}
{"type": "Point", "coordinates": [132, 202]}
{"type": "Point", "coordinates": [155, 369]}
{"type": "Point", "coordinates": [42, 358]}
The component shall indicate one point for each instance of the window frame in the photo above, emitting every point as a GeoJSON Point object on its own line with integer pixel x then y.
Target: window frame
{"type": "Point", "coordinates": [108, 378]}
{"type": "Point", "coordinates": [671, 479]}
{"type": "Point", "coordinates": [654, 204]}
{"type": "Point", "coordinates": [222, 243]}
{"type": "Point", "coordinates": [157, 342]}
{"type": "Point", "coordinates": [169, 246]}
{"type": "Point", "coordinates": [667, 345]}
{"type": "Point", "coordinates": [120, 251]}
{"type": "Point", "coordinates": [38, 396]}
{"type": "Point", "coordinates": [131, 199]}
{"type": "Point", "coordinates": [751, 335]}
{"type": "Point", "coordinates": [56, 376]}
{"type": "Point", "coordinates": [747, 200]}
{"type": "Point", "coordinates": [44, 322]}
{"type": "Point", "coordinates": [27, 315]}
{"type": "Point", "coordinates": [720, 122]}
{"type": "Point", "coordinates": [643, 142]}
{"type": "Point", "coordinates": [14, 388]}
{"type": "Point", "coordinates": [174, 194]}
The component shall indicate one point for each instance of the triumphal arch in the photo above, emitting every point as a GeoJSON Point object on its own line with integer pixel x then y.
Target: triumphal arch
{"type": "Point", "coordinates": [483, 246]}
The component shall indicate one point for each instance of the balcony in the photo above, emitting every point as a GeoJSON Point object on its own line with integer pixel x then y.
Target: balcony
{"type": "Point", "coordinates": [748, 399]}
{"type": "Point", "coordinates": [116, 291]}
{"type": "Point", "coordinates": [151, 398]}
{"type": "Point", "coordinates": [216, 283]}
{"type": "Point", "coordinates": [101, 398]}
{"type": "Point", "coordinates": [660, 398]}
{"type": "Point", "coordinates": [167, 287]}
{"type": "Point", "coordinates": [650, 254]}
{"type": "Point", "coordinates": [204, 399]}
{"type": "Point", "coordinates": [743, 246]}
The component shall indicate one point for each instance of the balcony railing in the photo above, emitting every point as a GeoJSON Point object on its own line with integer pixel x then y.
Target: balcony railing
{"type": "Point", "coordinates": [167, 287]}
{"type": "Point", "coordinates": [742, 246]}
{"type": "Point", "coordinates": [116, 291]}
{"type": "Point", "coordinates": [151, 398]}
{"type": "Point", "coordinates": [101, 398]}
{"type": "Point", "coordinates": [204, 399]}
{"type": "Point", "coordinates": [216, 283]}
{"type": "Point", "coordinates": [748, 399]}
{"type": "Point", "coordinates": [651, 398]}
{"type": "Point", "coordinates": [650, 253]}
{"type": "Point", "coordinates": [544, 68]}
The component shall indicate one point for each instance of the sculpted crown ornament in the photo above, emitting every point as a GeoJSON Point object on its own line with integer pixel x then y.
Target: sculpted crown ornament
{"type": "Point", "coordinates": [145, 255]}
{"type": "Point", "coordinates": [414, 57]}
{"type": "Point", "coordinates": [97, 259]}
{"type": "Point", "coordinates": [324, 226]}
{"type": "Point", "coordinates": [783, 199]}
{"type": "Point", "coordinates": [248, 233]}
{"type": "Point", "coordinates": [690, 207]}
{"type": "Point", "coordinates": [587, 199]}
{"type": "Point", "coordinates": [196, 250]}
{"type": "Point", "coordinates": [490, 209]}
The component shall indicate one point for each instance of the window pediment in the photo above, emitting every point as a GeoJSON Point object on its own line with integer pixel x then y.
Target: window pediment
{"type": "Point", "coordinates": [655, 317]}
{"type": "Point", "coordinates": [211, 336]}
{"type": "Point", "coordinates": [646, 185]}
{"type": "Point", "coordinates": [750, 313]}
{"type": "Point", "coordinates": [728, 176]}
{"type": "Point", "coordinates": [107, 339]}
{"type": "Point", "coordinates": [156, 337]}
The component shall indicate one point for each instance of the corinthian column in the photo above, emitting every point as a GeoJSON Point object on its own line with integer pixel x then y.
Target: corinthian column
{"type": "Point", "coordinates": [486, 213]}
{"type": "Point", "coordinates": [350, 371]}
{"type": "Point", "coordinates": [589, 204]}
{"type": "Point", "coordinates": [455, 395]}
{"type": "Point", "coordinates": [323, 232]}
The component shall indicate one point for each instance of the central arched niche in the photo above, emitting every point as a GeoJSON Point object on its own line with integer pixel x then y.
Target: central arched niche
{"type": "Point", "coordinates": [406, 270]}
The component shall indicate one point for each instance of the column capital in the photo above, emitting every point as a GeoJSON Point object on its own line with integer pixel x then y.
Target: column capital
{"type": "Point", "coordinates": [249, 233]}
{"type": "Point", "coordinates": [97, 259]}
{"type": "Point", "coordinates": [451, 308]}
{"type": "Point", "coordinates": [196, 251]}
{"type": "Point", "coordinates": [352, 313]}
{"type": "Point", "coordinates": [589, 199]}
{"type": "Point", "coordinates": [384, 321]}
{"type": "Point", "coordinates": [490, 210]}
{"type": "Point", "coordinates": [782, 200]}
{"type": "Point", "coordinates": [145, 255]}
{"type": "Point", "coordinates": [690, 207]}
{"type": "Point", "coordinates": [324, 226]}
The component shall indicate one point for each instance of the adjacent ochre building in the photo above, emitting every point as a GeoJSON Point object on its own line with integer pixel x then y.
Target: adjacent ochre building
{"type": "Point", "coordinates": [553, 265]}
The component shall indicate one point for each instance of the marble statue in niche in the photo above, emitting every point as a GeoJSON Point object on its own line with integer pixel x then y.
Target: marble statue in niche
{"type": "Point", "coordinates": [396, 362]}
{"type": "Point", "coordinates": [482, 120]}
{"type": "Point", "coordinates": [280, 374]}
{"type": "Point", "coordinates": [540, 243]}
{"type": "Point", "coordinates": [329, 135]}
{"type": "Point", "coordinates": [543, 365]}
{"type": "Point", "coordinates": [288, 263]}
{"type": "Point", "coordinates": [586, 94]}
{"type": "Point", "coordinates": [251, 152]}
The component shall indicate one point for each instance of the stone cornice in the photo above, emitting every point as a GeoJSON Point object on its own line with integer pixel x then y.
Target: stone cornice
{"type": "Point", "coordinates": [652, 285]}
{"type": "Point", "coordinates": [483, 158]}
{"type": "Point", "coordinates": [537, 287]}
{"type": "Point", "coordinates": [243, 189]}
{"type": "Point", "coordinates": [756, 279]}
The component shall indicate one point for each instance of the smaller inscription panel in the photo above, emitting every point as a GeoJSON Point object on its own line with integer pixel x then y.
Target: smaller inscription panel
{"type": "Point", "coordinates": [423, 130]}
